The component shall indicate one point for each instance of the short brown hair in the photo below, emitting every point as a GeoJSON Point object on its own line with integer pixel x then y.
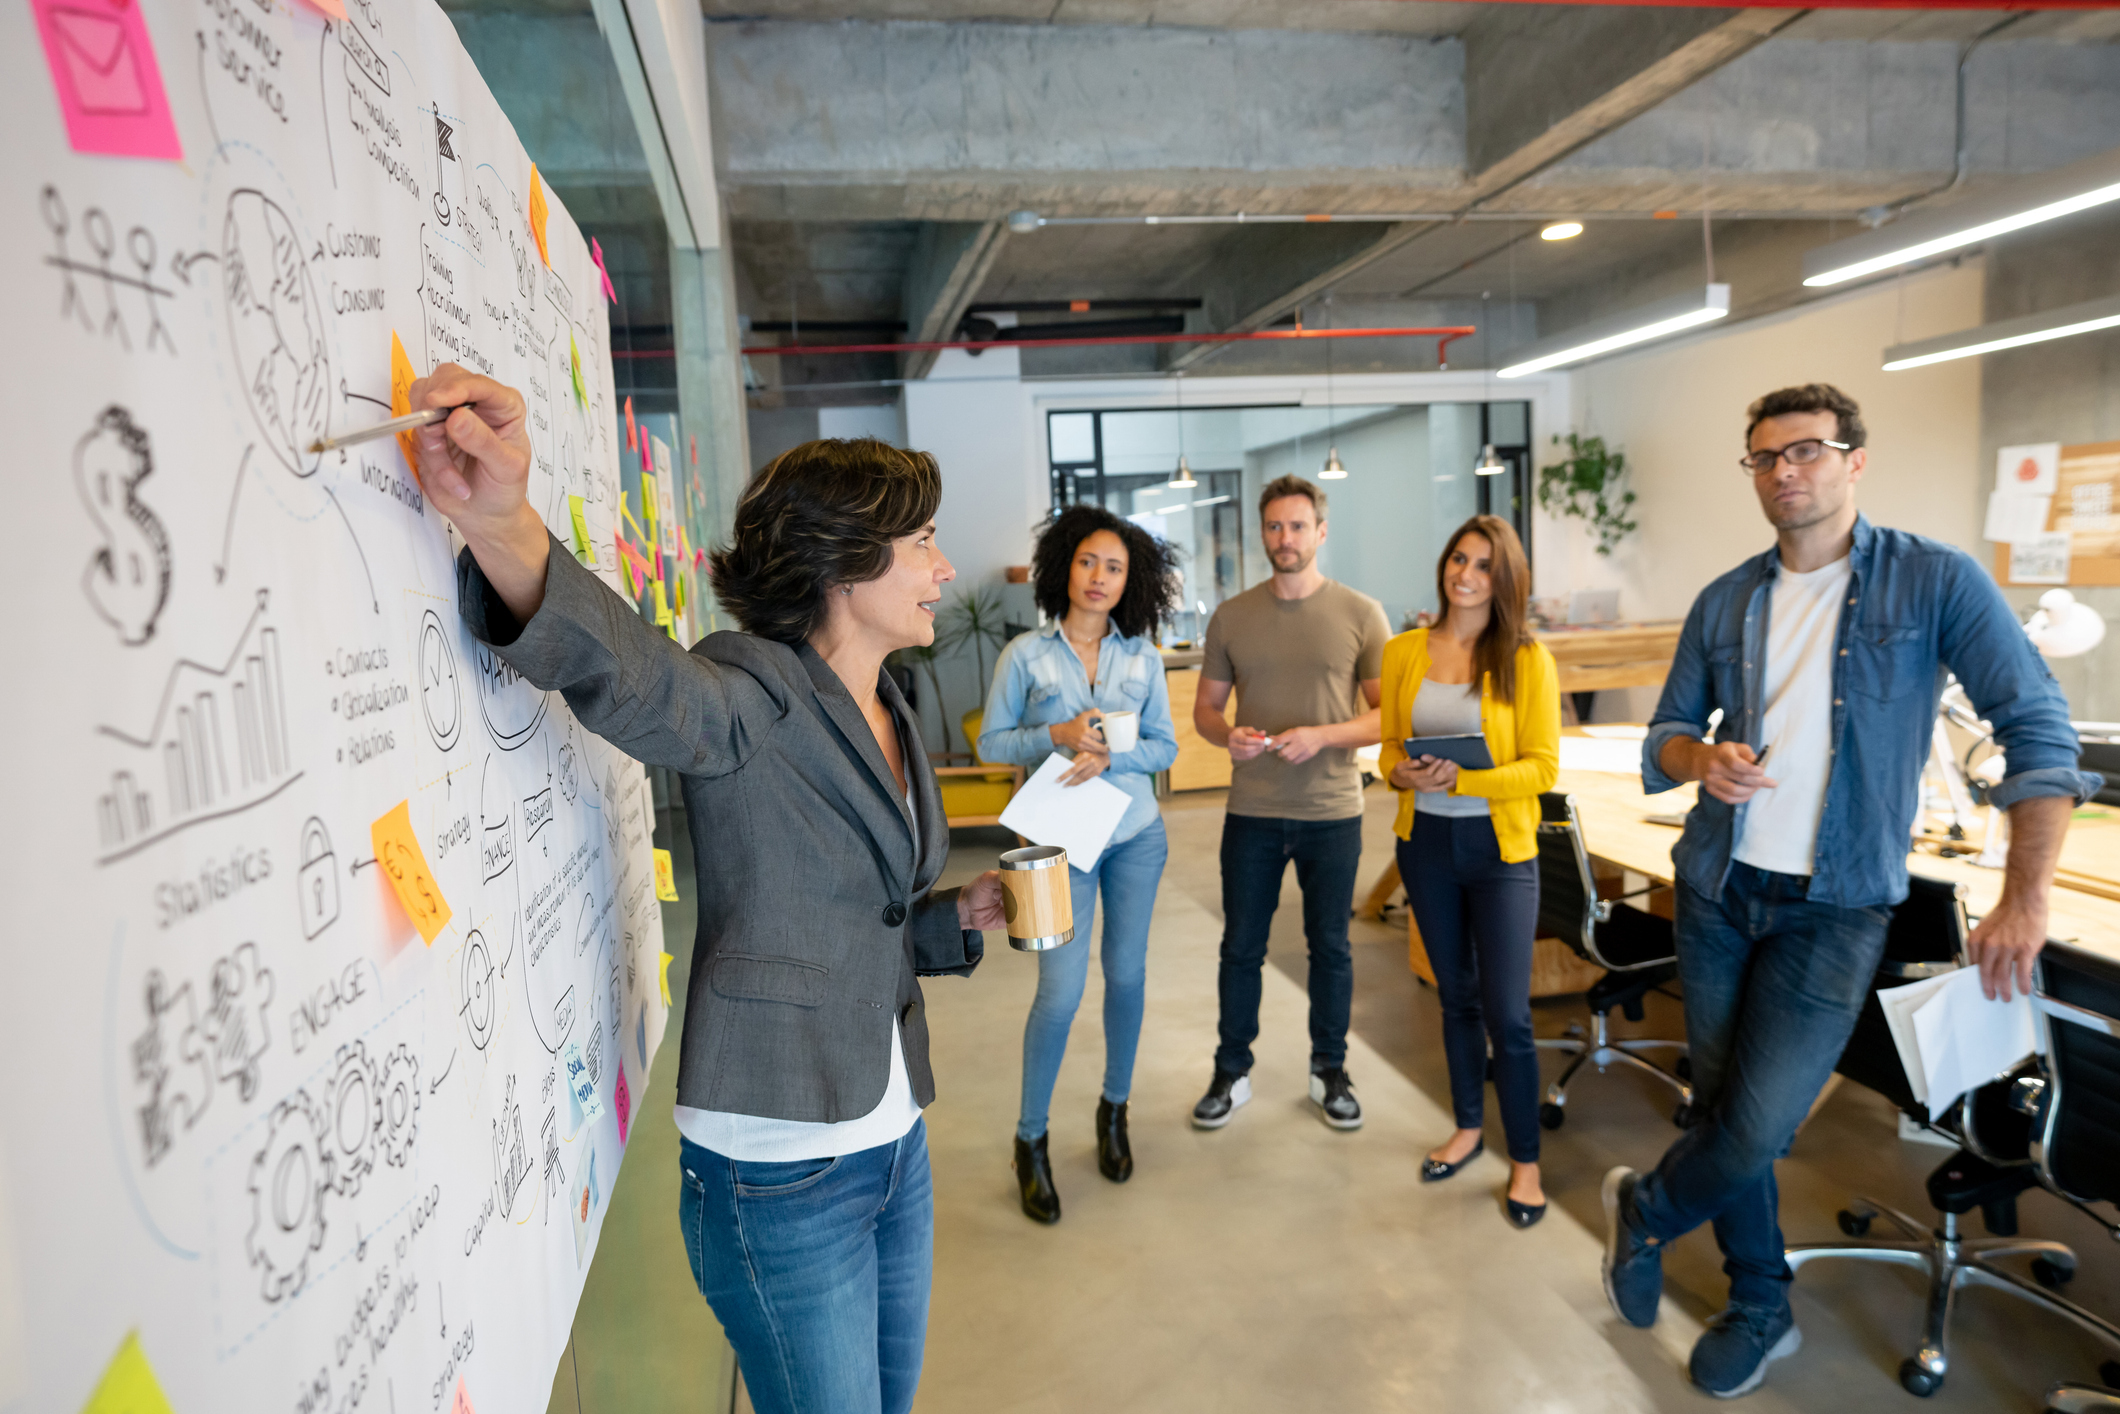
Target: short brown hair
{"type": "Point", "coordinates": [818, 516]}
{"type": "Point", "coordinates": [1811, 397]}
{"type": "Point", "coordinates": [1283, 486]}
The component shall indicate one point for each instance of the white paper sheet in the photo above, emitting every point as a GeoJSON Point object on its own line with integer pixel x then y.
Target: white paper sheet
{"type": "Point", "coordinates": [1080, 819]}
{"type": "Point", "coordinates": [2031, 469]}
{"type": "Point", "coordinates": [2012, 516]}
{"type": "Point", "coordinates": [2043, 559]}
{"type": "Point", "coordinates": [1618, 732]}
{"type": "Point", "coordinates": [1589, 753]}
{"type": "Point", "coordinates": [1899, 1004]}
{"type": "Point", "coordinates": [1968, 1040]}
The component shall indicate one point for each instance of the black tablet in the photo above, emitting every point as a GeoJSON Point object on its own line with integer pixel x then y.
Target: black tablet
{"type": "Point", "coordinates": [1469, 751]}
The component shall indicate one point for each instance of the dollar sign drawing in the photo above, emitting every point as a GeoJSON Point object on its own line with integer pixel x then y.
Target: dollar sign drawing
{"type": "Point", "coordinates": [127, 578]}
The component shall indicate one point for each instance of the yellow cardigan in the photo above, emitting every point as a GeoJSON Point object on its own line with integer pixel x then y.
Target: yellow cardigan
{"type": "Point", "coordinates": [1524, 736]}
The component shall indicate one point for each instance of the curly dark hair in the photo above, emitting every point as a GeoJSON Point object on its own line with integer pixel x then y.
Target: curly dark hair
{"type": "Point", "coordinates": [1811, 397]}
{"type": "Point", "coordinates": [817, 516]}
{"type": "Point", "coordinates": [1152, 583]}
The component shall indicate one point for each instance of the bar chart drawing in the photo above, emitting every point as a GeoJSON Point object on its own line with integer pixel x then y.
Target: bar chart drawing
{"type": "Point", "coordinates": [216, 746]}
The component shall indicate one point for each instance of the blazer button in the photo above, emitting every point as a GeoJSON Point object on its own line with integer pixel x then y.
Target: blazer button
{"type": "Point", "coordinates": [894, 914]}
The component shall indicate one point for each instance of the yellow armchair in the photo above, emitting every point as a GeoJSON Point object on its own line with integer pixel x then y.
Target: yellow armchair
{"type": "Point", "coordinates": [977, 793]}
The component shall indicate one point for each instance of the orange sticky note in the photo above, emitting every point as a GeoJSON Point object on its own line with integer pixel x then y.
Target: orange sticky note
{"type": "Point", "coordinates": [334, 8]}
{"type": "Point", "coordinates": [401, 377]}
{"type": "Point", "coordinates": [538, 212]}
{"type": "Point", "coordinates": [129, 1385]}
{"type": "Point", "coordinates": [632, 436]}
{"type": "Point", "coordinates": [665, 880]}
{"type": "Point", "coordinates": [404, 863]}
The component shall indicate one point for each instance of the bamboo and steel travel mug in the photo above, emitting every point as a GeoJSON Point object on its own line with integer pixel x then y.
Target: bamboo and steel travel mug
{"type": "Point", "coordinates": [1036, 899]}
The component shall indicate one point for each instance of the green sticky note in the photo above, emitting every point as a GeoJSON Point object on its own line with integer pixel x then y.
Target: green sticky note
{"type": "Point", "coordinates": [574, 367]}
{"type": "Point", "coordinates": [582, 550]}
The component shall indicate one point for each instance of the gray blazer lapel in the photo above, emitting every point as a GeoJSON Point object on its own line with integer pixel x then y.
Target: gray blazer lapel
{"type": "Point", "coordinates": [920, 776]}
{"type": "Point", "coordinates": [838, 705]}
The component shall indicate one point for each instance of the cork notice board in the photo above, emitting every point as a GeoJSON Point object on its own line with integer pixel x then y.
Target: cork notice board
{"type": "Point", "coordinates": [2087, 508]}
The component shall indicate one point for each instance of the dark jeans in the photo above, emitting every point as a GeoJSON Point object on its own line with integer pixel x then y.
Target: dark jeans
{"type": "Point", "coordinates": [818, 1270]}
{"type": "Point", "coordinates": [1478, 917]}
{"type": "Point", "coordinates": [1774, 984]}
{"type": "Point", "coordinates": [1255, 855]}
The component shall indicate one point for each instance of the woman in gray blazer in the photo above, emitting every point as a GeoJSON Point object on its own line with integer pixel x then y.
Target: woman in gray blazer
{"type": "Point", "coordinates": [806, 1205]}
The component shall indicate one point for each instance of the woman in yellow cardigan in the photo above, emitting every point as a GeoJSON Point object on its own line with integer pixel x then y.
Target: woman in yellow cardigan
{"type": "Point", "coordinates": [1468, 840]}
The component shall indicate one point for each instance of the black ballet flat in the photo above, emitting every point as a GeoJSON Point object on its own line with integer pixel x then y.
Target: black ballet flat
{"type": "Point", "coordinates": [1523, 1215]}
{"type": "Point", "coordinates": [1434, 1170]}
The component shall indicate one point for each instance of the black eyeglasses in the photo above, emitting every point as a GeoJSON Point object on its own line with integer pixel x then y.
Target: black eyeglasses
{"type": "Point", "coordinates": [1803, 453]}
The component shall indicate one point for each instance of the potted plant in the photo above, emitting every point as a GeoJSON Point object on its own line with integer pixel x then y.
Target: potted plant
{"type": "Point", "coordinates": [1588, 485]}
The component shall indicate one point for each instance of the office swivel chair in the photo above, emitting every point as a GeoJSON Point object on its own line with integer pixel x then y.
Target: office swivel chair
{"type": "Point", "coordinates": [1995, 1164]}
{"type": "Point", "coordinates": [1635, 948]}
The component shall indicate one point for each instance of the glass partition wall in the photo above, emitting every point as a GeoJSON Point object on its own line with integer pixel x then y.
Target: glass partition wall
{"type": "Point", "coordinates": [1410, 482]}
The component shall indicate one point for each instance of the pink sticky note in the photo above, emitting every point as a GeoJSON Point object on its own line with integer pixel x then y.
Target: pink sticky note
{"type": "Point", "coordinates": [110, 87]}
{"type": "Point", "coordinates": [334, 8]}
{"type": "Point", "coordinates": [596, 253]}
{"type": "Point", "coordinates": [623, 1102]}
{"type": "Point", "coordinates": [462, 1403]}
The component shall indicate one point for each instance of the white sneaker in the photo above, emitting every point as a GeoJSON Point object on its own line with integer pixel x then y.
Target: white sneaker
{"type": "Point", "coordinates": [1223, 1098]}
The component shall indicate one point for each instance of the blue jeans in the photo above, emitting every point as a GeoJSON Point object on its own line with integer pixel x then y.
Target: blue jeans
{"type": "Point", "coordinates": [1129, 873]}
{"type": "Point", "coordinates": [1478, 917]}
{"type": "Point", "coordinates": [1774, 984]}
{"type": "Point", "coordinates": [818, 1270]}
{"type": "Point", "coordinates": [1255, 854]}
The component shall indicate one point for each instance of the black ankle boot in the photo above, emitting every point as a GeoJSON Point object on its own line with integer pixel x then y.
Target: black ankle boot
{"type": "Point", "coordinates": [1034, 1175]}
{"type": "Point", "coordinates": [1115, 1157]}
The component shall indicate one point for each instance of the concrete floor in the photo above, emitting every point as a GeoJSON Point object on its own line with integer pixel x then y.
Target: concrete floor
{"type": "Point", "coordinates": [1279, 1265]}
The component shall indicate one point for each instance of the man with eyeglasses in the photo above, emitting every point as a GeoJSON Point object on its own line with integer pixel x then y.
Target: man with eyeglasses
{"type": "Point", "coordinates": [1825, 656]}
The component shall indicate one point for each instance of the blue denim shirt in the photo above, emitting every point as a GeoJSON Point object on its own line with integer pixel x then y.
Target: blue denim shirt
{"type": "Point", "coordinates": [1039, 681]}
{"type": "Point", "coordinates": [1915, 608]}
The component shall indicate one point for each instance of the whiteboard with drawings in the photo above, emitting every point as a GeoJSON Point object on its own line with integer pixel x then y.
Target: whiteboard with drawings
{"type": "Point", "coordinates": [287, 1127]}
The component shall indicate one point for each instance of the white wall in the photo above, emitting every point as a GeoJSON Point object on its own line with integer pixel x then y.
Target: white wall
{"type": "Point", "coordinates": [1678, 412]}
{"type": "Point", "coordinates": [883, 421]}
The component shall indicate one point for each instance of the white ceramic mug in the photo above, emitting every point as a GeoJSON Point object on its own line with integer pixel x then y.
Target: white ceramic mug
{"type": "Point", "coordinates": [1122, 730]}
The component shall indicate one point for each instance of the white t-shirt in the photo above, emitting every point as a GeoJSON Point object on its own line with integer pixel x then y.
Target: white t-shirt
{"type": "Point", "coordinates": [757, 1139]}
{"type": "Point", "coordinates": [1781, 825]}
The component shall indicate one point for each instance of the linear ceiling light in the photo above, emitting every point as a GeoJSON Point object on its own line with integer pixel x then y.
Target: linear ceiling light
{"type": "Point", "coordinates": [1561, 231]}
{"type": "Point", "coordinates": [2085, 318]}
{"type": "Point", "coordinates": [1623, 331]}
{"type": "Point", "coordinates": [2077, 187]}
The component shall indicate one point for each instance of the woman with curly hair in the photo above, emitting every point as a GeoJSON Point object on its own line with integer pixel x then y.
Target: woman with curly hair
{"type": "Point", "coordinates": [818, 832]}
{"type": "Point", "coordinates": [1103, 584]}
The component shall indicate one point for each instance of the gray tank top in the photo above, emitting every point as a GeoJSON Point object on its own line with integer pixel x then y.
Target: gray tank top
{"type": "Point", "coordinates": [1447, 709]}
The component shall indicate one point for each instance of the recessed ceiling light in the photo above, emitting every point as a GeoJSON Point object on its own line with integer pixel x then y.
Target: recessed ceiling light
{"type": "Point", "coordinates": [1561, 231]}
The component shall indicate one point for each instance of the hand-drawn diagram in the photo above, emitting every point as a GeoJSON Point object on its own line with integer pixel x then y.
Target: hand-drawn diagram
{"type": "Point", "coordinates": [511, 707]}
{"type": "Point", "coordinates": [441, 704]}
{"type": "Point", "coordinates": [276, 325]}
{"type": "Point", "coordinates": [186, 1051]}
{"type": "Point", "coordinates": [496, 818]}
{"type": "Point", "coordinates": [218, 739]}
{"type": "Point", "coordinates": [71, 302]}
{"type": "Point", "coordinates": [511, 1155]}
{"type": "Point", "coordinates": [479, 990]}
{"type": "Point", "coordinates": [357, 1120]}
{"type": "Point", "coordinates": [316, 881]}
{"type": "Point", "coordinates": [442, 154]}
{"type": "Point", "coordinates": [127, 579]}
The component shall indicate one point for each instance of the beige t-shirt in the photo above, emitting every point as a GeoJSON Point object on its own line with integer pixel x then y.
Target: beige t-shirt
{"type": "Point", "coordinates": [1297, 663]}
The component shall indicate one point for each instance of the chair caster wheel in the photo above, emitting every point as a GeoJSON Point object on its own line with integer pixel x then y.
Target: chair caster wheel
{"type": "Point", "coordinates": [1918, 1381]}
{"type": "Point", "coordinates": [2110, 1373]}
{"type": "Point", "coordinates": [1551, 1116]}
{"type": "Point", "coordinates": [1683, 1069]}
{"type": "Point", "coordinates": [1855, 1224]}
{"type": "Point", "coordinates": [1686, 1115]}
{"type": "Point", "coordinates": [2052, 1272]}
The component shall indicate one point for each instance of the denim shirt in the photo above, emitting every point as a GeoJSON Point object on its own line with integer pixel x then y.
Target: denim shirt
{"type": "Point", "coordinates": [1039, 682]}
{"type": "Point", "coordinates": [1915, 608]}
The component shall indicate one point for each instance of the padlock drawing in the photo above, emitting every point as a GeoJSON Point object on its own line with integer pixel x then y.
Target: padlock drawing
{"type": "Point", "coordinates": [317, 881]}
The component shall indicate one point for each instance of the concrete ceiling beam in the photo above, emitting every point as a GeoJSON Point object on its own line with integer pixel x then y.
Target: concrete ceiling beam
{"type": "Point", "coordinates": [950, 261]}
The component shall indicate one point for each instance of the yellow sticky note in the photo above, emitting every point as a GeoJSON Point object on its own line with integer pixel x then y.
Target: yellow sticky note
{"type": "Point", "coordinates": [678, 588]}
{"type": "Point", "coordinates": [538, 212]}
{"type": "Point", "coordinates": [666, 890]}
{"type": "Point", "coordinates": [401, 376]}
{"type": "Point", "coordinates": [404, 863]}
{"type": "Point", "coordinates": [666, 961]}
{"type": "Point", "coordinates": [574, 368]}
{"type": "Point", "coordinates": [647, 508]}
{"type": "Point", "coordinates": [582, 547]}
{"type": "Point", "coordinates": [129, 1385]}
{"type": "Point", "coordinates": [662, 605]}
{"type": "Point", "coordinates": [684, 542]}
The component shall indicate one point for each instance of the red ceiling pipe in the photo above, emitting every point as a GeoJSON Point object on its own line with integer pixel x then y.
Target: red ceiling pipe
{"type": "Point", "coordinates": [1443, 334]}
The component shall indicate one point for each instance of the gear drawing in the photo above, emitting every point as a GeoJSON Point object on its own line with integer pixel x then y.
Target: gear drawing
{"type": "Point", "coordinates": [356, 1118]}
{"type": "Point", "coordinates": [398, 1105]}
{"type": "Point", "coordinates": [287, 1182]}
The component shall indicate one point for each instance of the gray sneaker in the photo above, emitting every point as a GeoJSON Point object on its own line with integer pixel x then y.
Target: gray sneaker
{"type": "Point", "coordinates": [1634, 1262]}
{"type": "Point", "coordinates": [1732, 1355]}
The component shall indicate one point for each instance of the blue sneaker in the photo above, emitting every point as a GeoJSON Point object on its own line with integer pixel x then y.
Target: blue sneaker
{"type": "Point", "coordinates": [1732, 1355]}
{"type": "Point", "coordinates": [1634, 1262]}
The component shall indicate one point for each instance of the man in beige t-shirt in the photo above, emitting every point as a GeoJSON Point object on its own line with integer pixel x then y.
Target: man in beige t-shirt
{"type": "Point", "coordinates": [1304, 656]}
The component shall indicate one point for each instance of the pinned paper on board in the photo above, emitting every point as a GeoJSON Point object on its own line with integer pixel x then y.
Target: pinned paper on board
{"type": "Point", "coordinates": [404, 863]}
{"type": "Point", "coordinates": [128, 1385]}
{"type": "Point", "coordinates": [667, 959]}
{"type": "Point", "coordinates": [2012, 517]}
{"type": "Point", "coordinates": [584, 548]}
{"type": "Point", "coordinates": [109, 85]}
{"type": "Point", "coordinates": [665, 878]}
{"type": "Point", "coordinates": [2041, 559]}
{"type": "Point", "coordinates": [2032, 469]}
{"type": "Point", "coordinates": [401, 380]}
{"type": "Point", "coordinates": [538, 214]}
